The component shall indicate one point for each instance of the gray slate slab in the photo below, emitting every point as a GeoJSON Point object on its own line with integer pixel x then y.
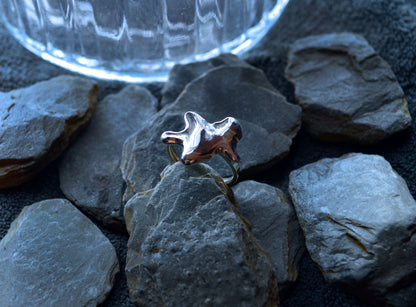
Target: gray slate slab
{"type": "Point", "coordinates": [346, 90]}
{"type": "Point", "coordinates": [181, 75]}
{"type": "Point", "coordinates": [189, 246]}
{"type": "Point", "coordinates": [38, 122]}
{"type": "Point", "coordinates": [89, 171]}
{"type": "Point", "coordinates": [268, 121]}
{"type": "Point", "coordinates": [53, 255]}
{"type": "Point", "coordinates": [274, 224]}
{"type": "Point", "coordinates": [359, 221]}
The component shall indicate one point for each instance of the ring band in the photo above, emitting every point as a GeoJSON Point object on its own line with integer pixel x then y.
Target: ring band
{"type": "Point", "coordinates": [202, 140]}
{"type": "Point", "coordinates": [235, 166]}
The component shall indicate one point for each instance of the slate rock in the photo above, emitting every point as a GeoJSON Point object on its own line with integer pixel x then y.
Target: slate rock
{"type": "Point", "coordinates": [274, 224]}
{"type": "Point", "coordinates": [144, 155]}
{"type": "Point", "coordinates": [89, 171]}
{"type": "Point", "coordinates": [53, 255]}
{"type": "Point", "coordinates": [346, 90]}
{"type": "Point", "coordinates": [180, 75]}
{"type": "Point", "coordinates": [359, 221]}
{"type": "Point", "coordinates": [189, 246]}
{"type": "Point", "coordinates": [269, 123]}
{"type": "Point", "coordinates": [38, 123]}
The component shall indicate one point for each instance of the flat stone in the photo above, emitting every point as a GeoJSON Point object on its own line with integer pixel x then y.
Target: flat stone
{"type": "Point", "coordinates": [346, 90]}
{"type": "Point", "coordinates": [144, 154]}
{"type": "Point", "coordinates": [181, 75]}
{"type": "Point", "coordinates": [38, 122]}
{"type": "Point", "coordinates": [189, 246]}
{"type": "Point", "coordinates": [89, 171]}
{"type": "Point", "coordinates": [359, 221]}
{"type": "Point", "coordinates": [268, 121]}
{"type": "Point", "coordinates": [274, 224]}
{"type": "Point", "coordinates": [53, 255]}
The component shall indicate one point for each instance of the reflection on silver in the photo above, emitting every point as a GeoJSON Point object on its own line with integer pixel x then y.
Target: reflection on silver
{"type": "Point", "coordinates": [202, 140]}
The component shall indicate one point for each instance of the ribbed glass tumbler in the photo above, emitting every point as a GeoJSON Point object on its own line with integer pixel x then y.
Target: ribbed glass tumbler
{"type": "Point", "coordinates": [136, 40]}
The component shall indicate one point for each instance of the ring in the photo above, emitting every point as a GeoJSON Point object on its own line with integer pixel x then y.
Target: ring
{"type": "Point", "coordinates": [202, 140]}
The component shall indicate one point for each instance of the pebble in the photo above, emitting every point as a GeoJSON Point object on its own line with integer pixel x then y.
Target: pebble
{"type": "Point", "coordinates": [53, 255]}
{"type": "Point", "coordinates": [181, 75]}
{"type": "Point", "coordinates": [38, 122]}
{"type": "Point", "coordinates": [359, 221]}
{"type": "Point", "coordinates": [274, 224]}
{"type": "Point", "coordinates": [269, 123]}
{"type": "Point", "coordinates": [188, 243]}
{"type": "Point", "coordinates": [346, 90]}
{"type": "Point", "coordinates": [89, 171]}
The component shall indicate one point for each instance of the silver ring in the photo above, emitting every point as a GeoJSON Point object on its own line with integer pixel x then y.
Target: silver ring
{"type": "Point", "coordinates": [202, 140]}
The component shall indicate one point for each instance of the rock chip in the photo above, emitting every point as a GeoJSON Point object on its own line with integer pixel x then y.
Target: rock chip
{"type": "Point", "coordinates": [274, 224]}
{"type": "Point", "coordinates": [90, 170]}
{"type": "Point", "coordinates": [38, 122]}
{"type": "Point", "coordinates": [346, 90]}
{"type": "Point", "coordinates": [189, 246]}
{"type": "Point", "coordinates": [268, 122]}
{"type": "Point", "coordinates": [359, 221]}
{"type": "Point", "coordinates": [181, 75]}
{"type": "Point", "coordinates": [53, 255]}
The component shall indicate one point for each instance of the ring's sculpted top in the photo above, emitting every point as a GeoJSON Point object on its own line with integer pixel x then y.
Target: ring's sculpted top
{"type": "Point", "coordinates": [202, 140]}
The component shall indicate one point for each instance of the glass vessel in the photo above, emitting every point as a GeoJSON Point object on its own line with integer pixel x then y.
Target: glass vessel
{"type": "Point", "coordinates": [136, 40]}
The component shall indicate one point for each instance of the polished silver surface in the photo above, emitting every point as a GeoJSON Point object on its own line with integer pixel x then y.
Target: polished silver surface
{"type": "Point", "coordinates": [202, 140]}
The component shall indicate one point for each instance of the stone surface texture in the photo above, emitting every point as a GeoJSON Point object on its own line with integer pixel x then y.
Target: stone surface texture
{"type": "Point", "coordinates": [359, 220]}
{"type": "Point", "coordinates": [274, 224]}
{"type": "Point", "coordinates": [53, 255]}
{"type": "Point", "coordinates": [181, 75]}
{"type": "Point", "coordinates": [346, 90]}
{"type": "Point", "coordinates": [189, 246]}
{"type": "Point", "coordinates": [38, 123]}
{"type": "Point", "coordinates": [268, 121]}
{"type": "Point", "coordinates": [89, 171]}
